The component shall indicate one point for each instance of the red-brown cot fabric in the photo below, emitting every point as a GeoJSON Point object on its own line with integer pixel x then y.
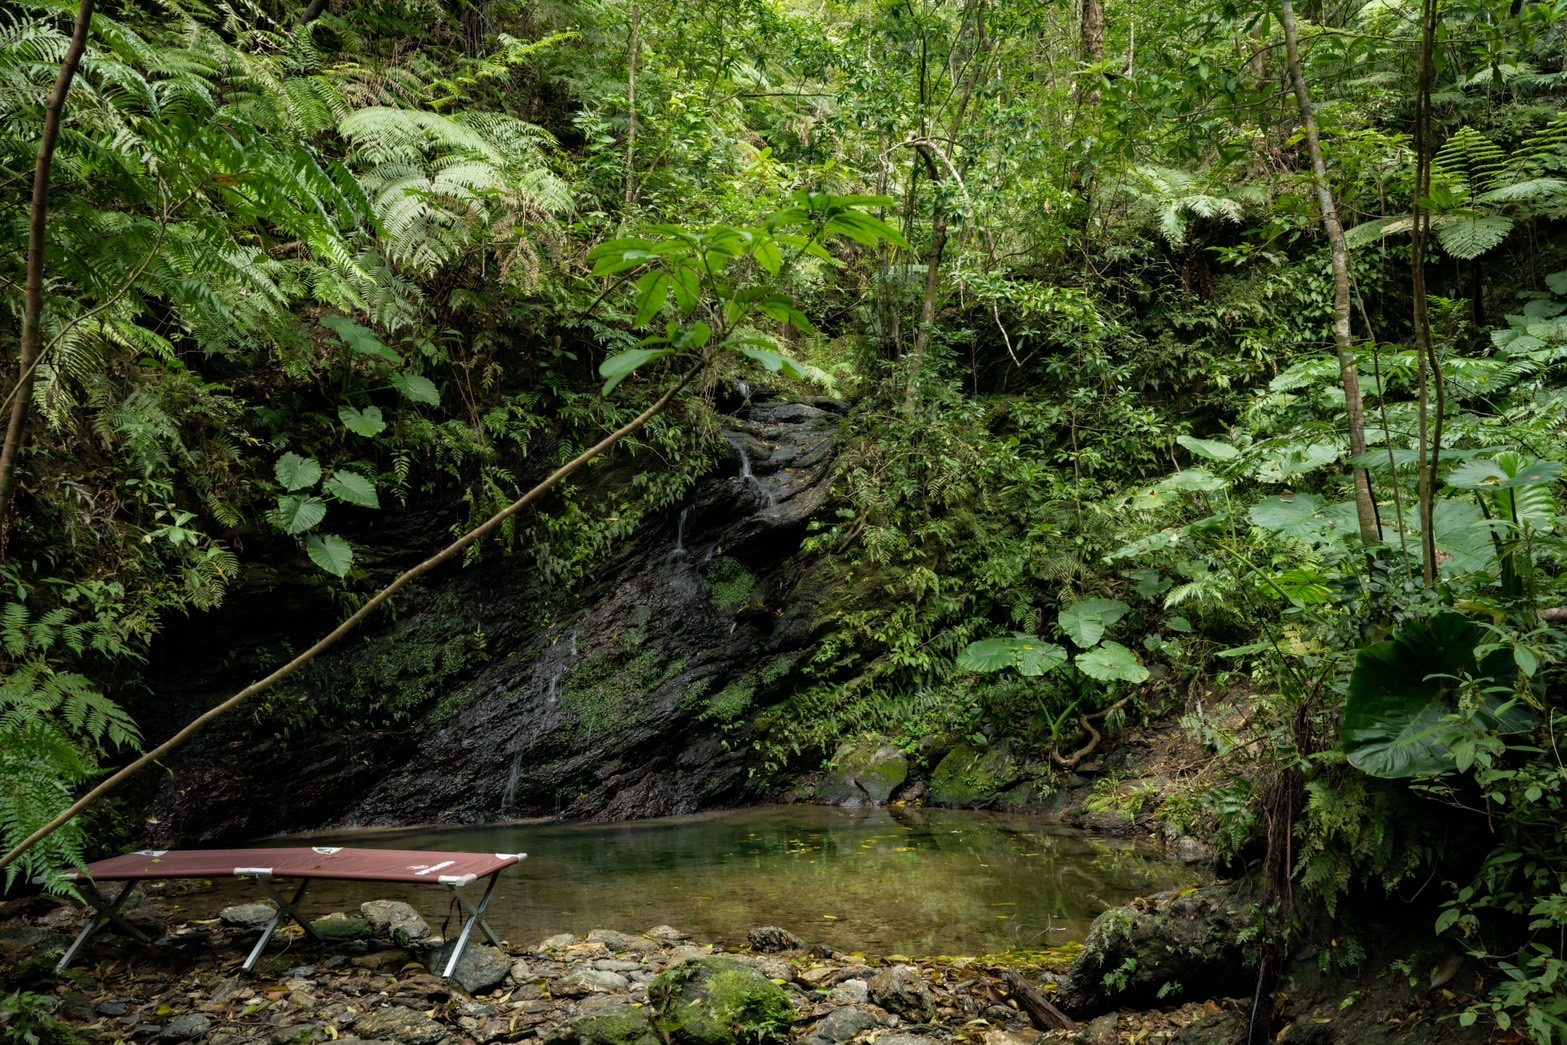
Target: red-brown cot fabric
{"type": "Point", "coordinates": [370, 865]}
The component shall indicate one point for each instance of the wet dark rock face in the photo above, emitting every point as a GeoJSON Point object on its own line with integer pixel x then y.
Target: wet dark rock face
{"type": "Point", "coordinates": [610, 704]}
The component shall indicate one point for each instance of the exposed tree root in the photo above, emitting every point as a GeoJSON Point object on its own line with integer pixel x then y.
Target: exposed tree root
{"type": "Point", "coordinates": [1094, 737]}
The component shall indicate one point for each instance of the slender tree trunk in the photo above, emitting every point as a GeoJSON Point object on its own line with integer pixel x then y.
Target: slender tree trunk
{"type": "Point", "coordinates": [977, 62]}
{"type": "Point", "coordinates": [631, 105]}
{"type": "Point", "coordinates": [938, 246]}
{"type": "Point", "coordinates": [1091, 49]}
{"type": "Point", "coordinates": [1365, 505]}
{"type": "Point", "coordinates": [33, 307]}
{"type": "Point", "coordinates": [375, 602]}
{"type": "Point", "coordinates": [1425, 345]}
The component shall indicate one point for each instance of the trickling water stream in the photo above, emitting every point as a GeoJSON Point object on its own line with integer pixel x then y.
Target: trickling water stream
{"type": "Point", "coordinates": [747, 476]}
{"type": "Point", "coordinates": [882, 881]}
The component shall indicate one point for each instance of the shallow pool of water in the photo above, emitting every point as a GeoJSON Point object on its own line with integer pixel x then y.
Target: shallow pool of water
{"type": "Point", "coordinates": [879, 881]}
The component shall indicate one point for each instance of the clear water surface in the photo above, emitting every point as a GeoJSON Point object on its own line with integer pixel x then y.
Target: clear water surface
{"type": "Point", "coordinates": [880, 881]}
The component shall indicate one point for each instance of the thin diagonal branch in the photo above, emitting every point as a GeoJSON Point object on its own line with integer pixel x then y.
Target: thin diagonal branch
{"type": "Point", "coordinates": [33, 308]}
{"type": "Point", "coordinates": [358, 618]}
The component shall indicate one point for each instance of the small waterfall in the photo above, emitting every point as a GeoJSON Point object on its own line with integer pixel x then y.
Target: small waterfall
{"type": "Point", "coordinates": [509, 796]}
{"type": "Point", "coordinates": [744, 388]}
{"type": "Point", "coordinates": [680, 535]}
{"type": "Point", "coordinates": [549, 694]}
{"type": "Point", "coordinates": [573, 642]}
{"type": "Point", "coordinates": [747, 476]}
{"type": "Point", "coordinates": [675, 563]}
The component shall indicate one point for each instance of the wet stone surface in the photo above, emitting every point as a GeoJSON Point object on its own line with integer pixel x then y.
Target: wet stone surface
{"type": "Point", "coordinates": [606, 988]}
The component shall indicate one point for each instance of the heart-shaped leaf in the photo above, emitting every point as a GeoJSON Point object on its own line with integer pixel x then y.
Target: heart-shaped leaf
{"type": "Point", "coordinates": [331, 553]}
{"type": "Point", "coordinates": [297, 513]}
{"type": "Point", "coordinates": [366, 422]}
{"type": "Point", "coordinates": [1402, 691]}
{"type": "Point", "coordinates": [419, 389]}
{"type": "Point", "coordinates": [353, 488]}
{"type": "Point", "coordinates": [1030, 655]}
{"type": "Point", "coordinates": [1111, 662]}
{"type": "Point", "coordinates": [1085, 621]}
{"type": "Point", "coordinates": [296, 472]}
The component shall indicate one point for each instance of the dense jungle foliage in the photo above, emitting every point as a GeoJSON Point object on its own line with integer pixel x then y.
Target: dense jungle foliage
{"type": "Point", "coordinates": [1192, 345]}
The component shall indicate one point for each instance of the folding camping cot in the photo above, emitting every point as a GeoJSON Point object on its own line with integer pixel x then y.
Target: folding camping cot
{"type": "Point", "coordinates": [416, 866]}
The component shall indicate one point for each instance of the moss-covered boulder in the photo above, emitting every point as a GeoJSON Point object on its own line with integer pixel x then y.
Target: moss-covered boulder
{"type": "Point", "coordinates": [866, 771]}
{"type": "Point", "coordinates": [1165, 949]}
{"type": "Point", "coordinates": [969, 775]}
{"type": "Point", "coordinates": [718, 1001]}
{"type": "Point", "coordinates": [615, 1025]}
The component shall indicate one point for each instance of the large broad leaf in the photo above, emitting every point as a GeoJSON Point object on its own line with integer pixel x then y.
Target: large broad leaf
{"type": "Point", "coordinates": [1111, 662]}
{"type": "Point", "coordinates": [366, 422]}
{"type": "Point", "coordinates": [1464, 541]}
{"type": "Point", "coordinates": [1030, 655]}
{"type": "Point", "coordinates": [419, 389]}
{"type": "Point", "coordinates": [1503, 472]}
{"type": "Point", "coordinates": [1153, 498]}
{"type": "Point", "coordinates": [296, 472]}
{"type": "Point", "coordinates": [353, 488]}
{"type": "Point", "coordinates": [360, 340]}
{"type": "Point", "coordinates": [1194, 479]}
{"type": "Point", "coordinates": [1305, 516]}
{"type": "Point", "coordinates": [1297, 459]}
{"type": "Point", "coordinates": [1401, 690]}
{"type": "Point", "coordinates": [617, 368]}
{"type": "Point", "coordinates": [1085, 621]}
{"type": "Point", "coordinates": [652, 291]}
{"type": "Point", "coordinates": [297, 513]}
{"type": "Point", "coordinates": [1291, 515]}
{"type": "Point", "coordinates": [686, 284]}
{"type": "Point", "coordinates": [767, 254]}
{"type": "Point", "coordinates": [1528, 508]}
{"type": "Point", "coordinates": [1212, 449]}
{"type": "Point", "coordinates": [331, 553]}
{"type": "Point", "coordinates": [765, 354]}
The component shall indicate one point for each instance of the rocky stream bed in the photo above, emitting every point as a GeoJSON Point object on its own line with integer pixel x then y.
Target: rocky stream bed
{"type": "Point", "coordinates": [373, 984]}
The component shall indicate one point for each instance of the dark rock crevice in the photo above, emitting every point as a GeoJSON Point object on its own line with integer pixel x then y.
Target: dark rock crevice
{"type": "Point", "coordinates": [489, 696]}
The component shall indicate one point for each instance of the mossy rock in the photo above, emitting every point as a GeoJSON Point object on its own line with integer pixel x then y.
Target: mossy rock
{"type": "Point", "coordinates": [618, 1025]}
{"type": "Point", "coordinates": [967, 775]}
{"type": "Point", "coordinates": [868, 769]}
{"type": "Point", "coordinates": [1176, 946]}
{"type": "Point", "coordinates": [718, 1001]}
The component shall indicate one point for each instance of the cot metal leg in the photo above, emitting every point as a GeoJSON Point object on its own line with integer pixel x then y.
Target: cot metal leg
{"type": "Point", "coordinates": [475, 917]}
{"type": "Point", "coordinates": [103, 914]}
{"type": "Point", "coordinates": [285, 909]}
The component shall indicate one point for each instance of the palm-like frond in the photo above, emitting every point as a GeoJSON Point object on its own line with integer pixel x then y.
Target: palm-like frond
{"type": "Point", "coordinates": [438, 184]}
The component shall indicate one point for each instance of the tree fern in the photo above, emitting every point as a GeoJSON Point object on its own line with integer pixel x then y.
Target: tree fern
{"type": "Point", "coordinates": [39, 769]}
{"type": "Point", "coordinates": [1479, 191]}
{"type": "Point", "coordinates": [1173, 197]}
{"type": "Point", "coordinates": [438, 183]}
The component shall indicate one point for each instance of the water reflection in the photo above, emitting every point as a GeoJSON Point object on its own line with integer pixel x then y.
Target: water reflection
{"type": "Point", "coordinates": [881, 881]}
